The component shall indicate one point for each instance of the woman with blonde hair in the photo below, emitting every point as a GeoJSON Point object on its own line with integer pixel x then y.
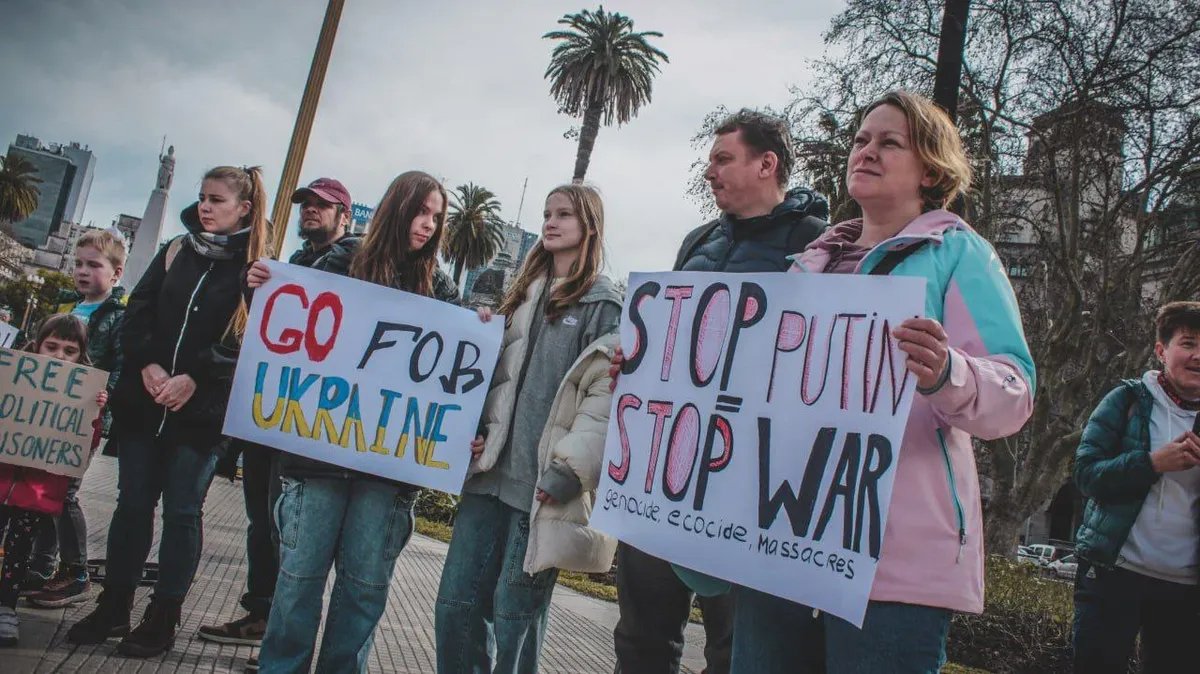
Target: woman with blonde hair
{"type": "Point", "coordinates": [179, 342]}
{"type": "Point", "coordinates": [536, 461]}
{"type": "Point", "coordinates": [975, 379]}
{"type": "Point", "coordinates": [328, 515]}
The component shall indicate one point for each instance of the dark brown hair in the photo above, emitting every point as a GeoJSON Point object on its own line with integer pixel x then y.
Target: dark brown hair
{"type": "Point", "coordinates": [589, 209]}
{"type": "Point", "coordinates": [1175, 316]}
{"type": "Point", "coordinates": [763, 133]}
{"type": "Point", "coordinates": [384, 258]}
{"type": "Point", "coordinates": [65, 327]}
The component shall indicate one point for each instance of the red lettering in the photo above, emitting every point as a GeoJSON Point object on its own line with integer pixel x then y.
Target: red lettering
{"type": "Point", "coordinates": [317, 351]}
{"type": "Point", "coordinates": [289, 338]}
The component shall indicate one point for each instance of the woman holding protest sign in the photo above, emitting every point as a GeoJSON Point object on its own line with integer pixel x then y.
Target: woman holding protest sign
{"type": "Point", "coordinates": [327, 513]}
{"type": "Point", "coordinates": [536, 462]}
{"type": "Point", "coordinates": [974, 376]}
{"type": "Point", "coordinates": [30, 494]}
{"type": "Point", "coordinates": [180, 337]}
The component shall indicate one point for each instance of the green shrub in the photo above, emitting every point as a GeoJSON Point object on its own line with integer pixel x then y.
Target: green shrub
{"type": "Point", "coordinates": [436, 506]}
{"type": "Point", "coordinates": [1025, 626]}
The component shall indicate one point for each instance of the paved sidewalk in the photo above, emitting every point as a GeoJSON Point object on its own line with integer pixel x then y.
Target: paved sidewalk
{"type": "Point", "coordinates": [579, 637]}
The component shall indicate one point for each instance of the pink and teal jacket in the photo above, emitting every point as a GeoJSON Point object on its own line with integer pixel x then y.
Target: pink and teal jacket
{"type": "Point", "coordinates": [933, 544]}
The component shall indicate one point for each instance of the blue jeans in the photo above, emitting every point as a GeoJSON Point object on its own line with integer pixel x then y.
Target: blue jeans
{"type": "Point", "coordinates": [490, 614]}
{"type": "Point", "coordinates": [147, 468]}
{"type": "Point", "coordinates": [775, 635]}
{"type": "Point", "coordinates": [357, 526]}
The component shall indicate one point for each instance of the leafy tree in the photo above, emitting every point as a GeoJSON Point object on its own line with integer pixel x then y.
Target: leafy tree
{"type": "Point", "coordinates": [603, 70]}
{"type": "Point", "coordinates": [18, 190]}
{"type": "Point", "coordinates": [17, 295]}
{"type": "Point", "coordinates": [474, 229]}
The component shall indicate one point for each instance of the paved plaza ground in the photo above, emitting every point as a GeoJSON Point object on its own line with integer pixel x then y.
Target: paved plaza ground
{"type": "Point", "coordinates": [579, 638]}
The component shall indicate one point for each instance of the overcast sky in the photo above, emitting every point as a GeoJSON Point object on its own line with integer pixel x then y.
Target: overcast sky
{"type": "Point", "coordinates": [451, 87]}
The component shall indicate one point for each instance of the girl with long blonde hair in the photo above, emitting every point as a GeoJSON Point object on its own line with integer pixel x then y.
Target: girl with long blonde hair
{"type": "Point", "coordinates": [535, 463]}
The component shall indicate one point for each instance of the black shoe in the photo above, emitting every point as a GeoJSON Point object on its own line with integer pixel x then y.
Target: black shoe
{"type": "Point", "coordinates": [155, 634]}
{"type": "Point", "coordinates": [109, 619]}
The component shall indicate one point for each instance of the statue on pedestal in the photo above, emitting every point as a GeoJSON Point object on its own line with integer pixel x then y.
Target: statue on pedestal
{"type": "Point", "coordinates": [166, 169]}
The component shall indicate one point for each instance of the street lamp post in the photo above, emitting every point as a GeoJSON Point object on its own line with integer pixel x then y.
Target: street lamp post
{"type": "Point", "coordinates": [304, 121]}
{"type": "Point", "coordinates": [37, 282]}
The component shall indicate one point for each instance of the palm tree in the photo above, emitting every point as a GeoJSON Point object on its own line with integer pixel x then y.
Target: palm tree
{"type": "Point", "coordinates": [602, 70]}
{"type": "Point", "coordinates": [18, 189]}
{"type": "Point", "coordinates": [474, 231]}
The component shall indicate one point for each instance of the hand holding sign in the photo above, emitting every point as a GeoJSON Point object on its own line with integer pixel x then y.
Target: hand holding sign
{"type": "Point", "coordinates": [757, 423]}
{"type": "Point", "coordinates": [928, 349]}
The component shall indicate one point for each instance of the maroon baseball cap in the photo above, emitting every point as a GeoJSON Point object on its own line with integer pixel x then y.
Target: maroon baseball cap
{"type": "Point", "coordinates": [326, 189]}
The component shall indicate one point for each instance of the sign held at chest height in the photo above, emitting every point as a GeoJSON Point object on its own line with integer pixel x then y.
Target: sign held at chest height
{"type": "Point", "coordinates": [365, 377]}
{"type": "Point", "coordinates": [756, 428]}
{"type": "Point", "coordinates": [47, 410]}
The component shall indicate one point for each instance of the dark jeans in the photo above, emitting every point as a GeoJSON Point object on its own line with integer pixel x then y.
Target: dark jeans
{"type": "Point", "coordinates": [774, 635]}
{"type": "Point", "coordinates": [654, 612]}
{"type": "Point", "coordinates": [64, 536]}
{"type": "Point", "coordinates": [260, 489]}
{"type": "Point", "coordinates": [490, 616]}
{"type": "Point", "coordinates": [181, 474]}
{"type": "Point", "coordinates": [1113, 605]}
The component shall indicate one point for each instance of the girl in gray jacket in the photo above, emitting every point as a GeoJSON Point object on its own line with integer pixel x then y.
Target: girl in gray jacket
{"type": "Point", "coordinates": [536, 461]}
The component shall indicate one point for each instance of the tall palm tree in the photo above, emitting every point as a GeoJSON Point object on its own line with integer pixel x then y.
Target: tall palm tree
{"type": "Point", "coordinates": [18, 189]}
{"type": "Point", "coordinates": [602, 70]}
{"type": "Point", "coordinates": [474, 231]}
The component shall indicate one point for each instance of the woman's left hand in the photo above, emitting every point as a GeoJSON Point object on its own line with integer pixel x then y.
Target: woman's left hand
{"type": "Point", "coordinates": [925, 342]}
{"type": "Point", "coordinates": [175, 392]}
{"type": "Point", "coordinates": [543, 497]}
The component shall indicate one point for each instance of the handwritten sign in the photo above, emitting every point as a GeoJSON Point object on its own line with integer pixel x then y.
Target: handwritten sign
{"type": "Point", "coordinates": [364, 377]}
{"type": "Point", "coordinates": [46, 412]}
{"type": "Point", "coordinates": [8, 335]}
{"type": "Point", "coordinates": [756, 428]}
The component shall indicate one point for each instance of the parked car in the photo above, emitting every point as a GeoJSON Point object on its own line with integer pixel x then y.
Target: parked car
{"type": "Point", "coordinates": [1064, 568]}
{"type": "Point", "coordinates": [1041, 554]}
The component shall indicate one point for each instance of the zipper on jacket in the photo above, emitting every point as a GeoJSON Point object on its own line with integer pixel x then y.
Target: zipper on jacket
{"type": "Point", "coordinates": [958, 509]}
{"type": "Point", "coordinates": [187, 314]}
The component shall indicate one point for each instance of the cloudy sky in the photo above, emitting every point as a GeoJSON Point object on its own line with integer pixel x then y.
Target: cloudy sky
{"type": "Point", "coordinates": [451, 87]}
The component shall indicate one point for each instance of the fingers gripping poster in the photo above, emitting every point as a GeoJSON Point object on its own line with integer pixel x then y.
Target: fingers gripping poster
{"type": "Point", "coordinates": [364, 377]}
{"type": "Point", "coordinates": [756, 428]}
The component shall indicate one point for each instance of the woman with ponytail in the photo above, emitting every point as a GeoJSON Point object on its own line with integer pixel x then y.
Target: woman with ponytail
{"type": "Point", "coordinates": [180, 337]}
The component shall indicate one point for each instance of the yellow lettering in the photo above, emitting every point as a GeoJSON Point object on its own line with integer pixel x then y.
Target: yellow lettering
{"type": "Point", "coordinates": [324, 422]}
{"type": "Point", "coordinates": [266, 422]}
{"type": "Point", "coordinates": [402, 445]}
{"type": "Point", "coordinates": [360, 440]}
{"type": "Point", "coordinates": [294, 417]}
{"type": "Point", "coordinates": [380, 436]}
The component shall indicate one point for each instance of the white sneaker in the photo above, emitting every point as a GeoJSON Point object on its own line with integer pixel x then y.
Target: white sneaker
{"type": "Point", "coordinates": [8, 627]}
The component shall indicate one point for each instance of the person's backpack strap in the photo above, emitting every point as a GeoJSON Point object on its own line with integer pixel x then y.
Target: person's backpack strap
{"type": "Point", "coordinates": [173, 249]}
{"type": "Point", "coordinates": [893, 259]}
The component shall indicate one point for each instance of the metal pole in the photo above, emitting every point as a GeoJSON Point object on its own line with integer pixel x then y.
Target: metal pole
{"type": "Point", "coordinates": [304, 121]}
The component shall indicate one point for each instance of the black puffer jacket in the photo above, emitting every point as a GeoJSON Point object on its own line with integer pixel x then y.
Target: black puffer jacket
{"type": "Point", "coordinates": [337, 261]}
{"type": "Point", "coordinates": [178, 319]}
{"type": "Point", "coordinates": [756, 244]}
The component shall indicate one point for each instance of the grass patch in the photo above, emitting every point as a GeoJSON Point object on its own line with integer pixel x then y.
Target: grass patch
{"type": "Point", "coordinates": [438, 530]}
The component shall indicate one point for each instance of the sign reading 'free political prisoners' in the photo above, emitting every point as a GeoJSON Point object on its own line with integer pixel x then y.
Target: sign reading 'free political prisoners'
{"type": "Point", "coordinates": [756, 428]}
{"type": "Point", "coordinates": [8, 335]}
{"type": "Point", "coordinates": [362, 376]}
{"type": "Point", "coordinates": [47, 407]}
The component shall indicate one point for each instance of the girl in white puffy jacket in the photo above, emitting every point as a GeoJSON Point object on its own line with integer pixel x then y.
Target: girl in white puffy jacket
{"type": "Point", "coordinates": [536, 461]}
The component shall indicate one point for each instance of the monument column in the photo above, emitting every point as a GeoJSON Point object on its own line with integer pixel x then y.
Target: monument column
{"type": "Point", "coordinates": [148, 233]}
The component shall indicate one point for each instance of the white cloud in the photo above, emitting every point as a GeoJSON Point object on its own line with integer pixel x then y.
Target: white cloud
{"type": "Point", "coordinates": [453, 87]}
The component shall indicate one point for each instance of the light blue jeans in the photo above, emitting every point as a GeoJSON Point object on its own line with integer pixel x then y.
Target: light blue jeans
{"type": "Point", "coordinates": [490, 615]}
{"type": "Point", "coordinates": [357, 526]}
{"type": "Point", "coordinates": [773, 635]}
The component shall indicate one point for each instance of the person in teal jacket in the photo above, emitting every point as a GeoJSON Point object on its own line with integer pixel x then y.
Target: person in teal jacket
{"type": "Point", "coordinates": [1138, 464]}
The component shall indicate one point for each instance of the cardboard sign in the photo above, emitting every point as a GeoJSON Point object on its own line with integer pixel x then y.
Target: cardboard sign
{"type": "Point", "coordinates": [47, 408]}
{"type": "Point", "coordinates": [362, 376]}
{"type": "Point", "coordinates": [756, 428]}
{"type": "Point", "coordinates": [8, 335]}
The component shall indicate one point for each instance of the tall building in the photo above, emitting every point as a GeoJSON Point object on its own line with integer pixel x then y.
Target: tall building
{"type": "Point", "coordinates": [501, 270]}
{"type": "Point", "coordinates": [66, 175]}
{"type": "Point", "coordinates": [127, 225]}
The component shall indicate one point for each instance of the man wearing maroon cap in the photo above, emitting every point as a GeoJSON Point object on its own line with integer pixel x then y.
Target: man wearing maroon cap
{"type": "Point", "coordinates": [324, 215]}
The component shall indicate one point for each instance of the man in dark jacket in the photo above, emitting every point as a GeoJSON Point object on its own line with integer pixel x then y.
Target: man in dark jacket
{"type": "Point", "coordinates": [324, 215]}
{"type": "Point", "coordinates": [760, 225]}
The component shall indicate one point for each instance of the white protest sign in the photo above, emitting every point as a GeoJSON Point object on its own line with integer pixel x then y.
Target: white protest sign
{"type": "Point", "coordinates": [46, 412]}
{"type": "Point", "coordinates": [362, 376]}
{"type": "Point", "coordinates": [8, 335]}
{"type": "Point", "coordinates": [756, 428]}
